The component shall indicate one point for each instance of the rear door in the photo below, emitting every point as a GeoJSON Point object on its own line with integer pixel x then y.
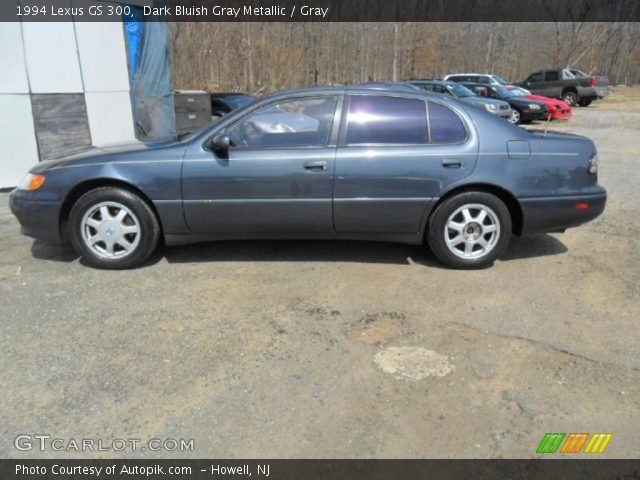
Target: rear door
{"type": "Point", "coordinates": [395, 155]}
{"type": "Point", "coordinates": [552, 84]}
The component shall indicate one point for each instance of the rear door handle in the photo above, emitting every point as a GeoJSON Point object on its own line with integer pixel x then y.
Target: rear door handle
{"type": "Point", "coordinates": [451, 163]}
{"type": "Point", "coordinates": [315, 166]}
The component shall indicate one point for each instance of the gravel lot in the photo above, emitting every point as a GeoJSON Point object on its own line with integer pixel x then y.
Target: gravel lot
{"type": "Point", "coordinates": [320, 349]}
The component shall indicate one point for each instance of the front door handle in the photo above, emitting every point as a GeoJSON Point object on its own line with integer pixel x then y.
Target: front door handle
{"type": "Point", "coordinates": [315, 166]}
{"type": "Point", "coordinates": [451, 163]}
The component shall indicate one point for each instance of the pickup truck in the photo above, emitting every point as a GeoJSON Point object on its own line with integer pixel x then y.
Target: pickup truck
{"type": "Point", "coordinates": [572, 86]}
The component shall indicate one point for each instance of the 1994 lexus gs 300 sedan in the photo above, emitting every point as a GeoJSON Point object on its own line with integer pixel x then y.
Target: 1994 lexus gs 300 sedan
{"type": "Point", "coordinates": [328, 163]}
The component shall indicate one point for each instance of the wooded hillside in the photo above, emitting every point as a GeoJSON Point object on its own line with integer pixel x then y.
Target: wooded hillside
{"type": "Point", "coordinates": [262, 57]}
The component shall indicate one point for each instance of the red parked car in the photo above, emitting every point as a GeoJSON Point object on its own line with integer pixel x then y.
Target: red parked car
{"type": "Point", "coordinates": [557, 108]}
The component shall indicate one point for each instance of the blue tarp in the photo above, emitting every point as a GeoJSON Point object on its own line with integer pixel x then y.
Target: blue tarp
{"type": "Point", "coordinates": [150, 77]}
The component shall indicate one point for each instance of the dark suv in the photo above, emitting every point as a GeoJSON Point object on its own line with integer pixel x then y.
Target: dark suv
{"type": "Point", "coordinates": [572, 86]}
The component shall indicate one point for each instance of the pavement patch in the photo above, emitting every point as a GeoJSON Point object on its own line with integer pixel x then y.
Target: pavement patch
{"type": "Point", "coordinates": [413, 363]}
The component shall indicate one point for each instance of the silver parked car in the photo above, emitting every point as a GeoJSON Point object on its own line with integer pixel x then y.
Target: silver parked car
{"type": "Point", "coordinates": [453, 89]}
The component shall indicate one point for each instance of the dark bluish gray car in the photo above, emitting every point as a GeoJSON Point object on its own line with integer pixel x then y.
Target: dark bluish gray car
{"type": "Point", "coordinates": [335, 163]}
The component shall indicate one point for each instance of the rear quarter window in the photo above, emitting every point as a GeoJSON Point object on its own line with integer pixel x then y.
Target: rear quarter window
{"type": "Point", "coordinates": [445, 126]}
{"type": "Point", "coordinates": [551, 76]}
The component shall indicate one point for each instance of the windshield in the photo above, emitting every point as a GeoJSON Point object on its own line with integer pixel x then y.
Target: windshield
{"type": "Point", "coordinates": [459, 91]}
{"type": "Point", "coordinates": [519, 92]}
{"type": "Point", "coordinates": [500, 80]}
{"type": "Point", "coordinates": [238, 100]}
{"type": "Point", "coordinates": [503, 92]}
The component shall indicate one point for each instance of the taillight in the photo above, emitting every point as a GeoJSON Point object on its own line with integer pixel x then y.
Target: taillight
{"type": "Point", "coordinates": [593, 165]}
{"type": "Point", "coordinates": [592, 82]}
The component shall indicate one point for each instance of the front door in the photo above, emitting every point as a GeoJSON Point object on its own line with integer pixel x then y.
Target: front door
{"type": "Point", "coordinates": [276, 177]}
{"type": "Point", "coordinates": [395, 156]}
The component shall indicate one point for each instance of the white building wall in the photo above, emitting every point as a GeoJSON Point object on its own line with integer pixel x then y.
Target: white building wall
{"type": "Point", "coordinates": [60, 58]}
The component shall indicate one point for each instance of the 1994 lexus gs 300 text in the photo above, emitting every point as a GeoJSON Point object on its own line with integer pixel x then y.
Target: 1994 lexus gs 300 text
{"type": "Point", "coordinates": [326, 163]}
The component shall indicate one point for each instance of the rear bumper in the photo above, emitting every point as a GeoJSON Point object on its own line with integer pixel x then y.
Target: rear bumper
{"type": "Point", "coordinates": [593, 92]}
{"type": "Point", "coordinates": [38, 219]}
{"type": "Point", "coordinates": [550, 214]}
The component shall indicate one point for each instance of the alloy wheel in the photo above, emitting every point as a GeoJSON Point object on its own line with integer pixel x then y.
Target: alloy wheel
{"type": "Point", "coordinates": [110, 230]}
{"type": "Point", "coordinates": [515, 116]}
{"type": "Point", "coordinates": [472, 231]}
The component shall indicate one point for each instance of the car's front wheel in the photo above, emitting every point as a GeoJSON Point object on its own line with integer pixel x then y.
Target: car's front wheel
{"type": "Point", "coordinates": [515, 117]}
{"type": "Point", "coordinates": [113, 228]}
{"type": "Point", "coordinates": [469, 230]}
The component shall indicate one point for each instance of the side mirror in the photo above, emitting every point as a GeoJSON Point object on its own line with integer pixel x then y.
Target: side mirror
{"type": "Point", "coordinates": [220, 142]}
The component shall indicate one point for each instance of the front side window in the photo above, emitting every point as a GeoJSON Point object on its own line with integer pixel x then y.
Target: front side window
{"type": "Point", "coordinates": [444, 125]}
{"type": "Point", "coordinates": [536, 77]}
{"type": "Point", "coordinates": [375, 119]}
{"type": "Point", "coordinates": [297, 122]}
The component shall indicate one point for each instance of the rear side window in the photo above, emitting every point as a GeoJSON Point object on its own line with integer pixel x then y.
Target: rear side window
{"type": "Point", "coordinates": [444, 125]}
{"type": "Point", "coordinates": [551, 76]}
{"type": "Point", "coordinates": [386, 120]}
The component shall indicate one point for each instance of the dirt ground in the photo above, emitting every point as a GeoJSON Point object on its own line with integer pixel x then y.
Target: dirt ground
{"type": "Point", "coordinates": [320, 349]}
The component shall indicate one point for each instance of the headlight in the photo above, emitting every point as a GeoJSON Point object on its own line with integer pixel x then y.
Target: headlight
{"type": "Point", "coordinates": [31, 182]}
{"type": "Point", "coordinates": [534, 106]}
{"type": "Point", "coordinates": [593, 165]}
{"type": "Point", "coordinates": [490, 106]}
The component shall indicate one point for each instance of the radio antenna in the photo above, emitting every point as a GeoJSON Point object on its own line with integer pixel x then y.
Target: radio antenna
{"type": "Point", "coordinates": [546, 127]}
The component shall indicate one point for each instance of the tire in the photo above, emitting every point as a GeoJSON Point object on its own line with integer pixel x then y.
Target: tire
{"type": "Point", "coordinates": [585, 102]}
{"type": "Point", "coordinates": [494, 227]}
{"type": "Point", "coordinates": [113, 228]}
{"type": "Point", "coordinates": [570, 98]}
{"type": "Point", "coordinates": [516, 117]}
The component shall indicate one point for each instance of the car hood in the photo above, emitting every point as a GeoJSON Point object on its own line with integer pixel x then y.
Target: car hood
{"type": "Point", "coordinates": [105, 154]}
{"type": "Point", "coordinates": [524, 101]}
{"type": "Point", "coordinates": [474, 100]}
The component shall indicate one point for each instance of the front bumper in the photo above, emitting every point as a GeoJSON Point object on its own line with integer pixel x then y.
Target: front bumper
{"type": "Point", "coordinates": [552, 214]}
{"type": "Point", "coordinates": [529, 114]}
{"type": "Point", "coordinates": [38, 218]}
{"type": "Point", "coordinates": [560, 114]}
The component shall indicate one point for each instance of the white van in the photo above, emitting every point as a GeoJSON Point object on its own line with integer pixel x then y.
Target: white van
{"type": "Point", "coordinates": [477, 78]}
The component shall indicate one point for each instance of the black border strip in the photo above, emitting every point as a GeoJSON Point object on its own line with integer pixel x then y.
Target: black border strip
{"type": "Point", "coordinates": [330, 10]}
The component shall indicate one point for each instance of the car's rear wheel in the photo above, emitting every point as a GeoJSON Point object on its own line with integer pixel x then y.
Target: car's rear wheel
{"type": "Point", "coordinates": [570, 98]}
{"type": "Point", "coordinates": [585, 102]}
{"type": "Point", "coordinates": [515, 117]}
{"type": "Point", "coordinates": [113, 228]}
{"type": "Point", "coordinates": [469, 230]}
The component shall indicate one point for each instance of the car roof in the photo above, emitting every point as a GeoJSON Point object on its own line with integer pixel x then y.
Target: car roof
{"type": "Point", "coordinates": [229, 94]}
{"type": "Point", "coordinates": [388, 88]}
{"type": "Point", "coordinates": [459, 74]}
